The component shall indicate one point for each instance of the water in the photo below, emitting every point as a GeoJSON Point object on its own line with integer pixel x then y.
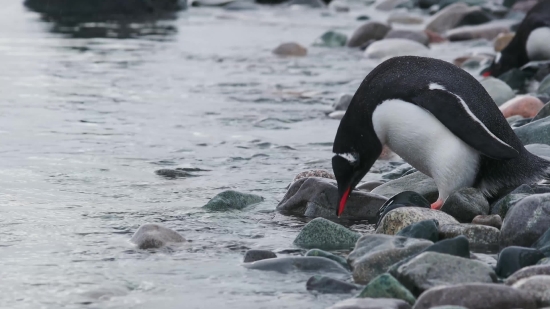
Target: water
{"type": "Point", "coordinates": [88, 117]}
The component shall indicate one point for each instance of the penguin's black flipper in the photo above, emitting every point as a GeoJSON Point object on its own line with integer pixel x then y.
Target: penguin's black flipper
{"type": "Point", "coordinates": [455, 114]}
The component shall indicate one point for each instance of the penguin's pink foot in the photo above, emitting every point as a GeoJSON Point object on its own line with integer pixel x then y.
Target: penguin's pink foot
{"type": "Point", "coordinates": [437, 205]}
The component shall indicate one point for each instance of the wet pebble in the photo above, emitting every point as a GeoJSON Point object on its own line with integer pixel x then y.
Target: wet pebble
{"type": "Point", "coordinates": [513, 258]}
{"type": "Point", "coordinates": [417, 36]}
{"type": "Point", "coordinates": [525, 106]}
{"type": "Point", "coordinates": [328, 285]}
{"type": "Point", "coordinates": [479, 236]}
{"type": "Point", "coordinates": [489, 220]}
{"type": "Point", "coordinates": [416, 182]}
{"type": "Point", "coordinates": [527, 272]}
{"type": "Point", "coordinates": [526, 222]}
{"type": "Point", "coordinates": [498, 90]}
{"type": "Point", "coordinates": [395, 47]}
{"type": "Point", "coordinates": [290, 49]}
{"type": "Point", "coordinates": [405, 18]}
{"type": "Point", "coordinates": [386, 286]}
{"type": "Point", "coordinates": [342, 102]}
{"type": "Point", "coordinates": [369, 31]}
{"type": "Point", "coordinates": [485, 31]}
{"type": "Point", "coordinates": [257, 255]}
{"type": "Point", "coordinates": [297, 263]}
{"type": "Point", "coordinates": [449, 17]}
{"type": "Point", "coordinates": [427, 229]}
{"type": "Point", "coordinates": [515, 78]}
{"type": "Point", "coordinates": [337, 115]}
{"type": "Point", "coordinates": [323, 234]}
{"type": "Point", "coordinates": [371, 303]}
{"type": "Point", "coordinates": [465, 204]}
{"type": "Point", "coordinates": [388, 5]}
{"type": "Point", "coordinates": [232, 200]}
{"type": "Point", "coordinates": [152, 236]}
{"type": "Point", "coordinates": [331, 39]}
{"type": "Point", "coordinates": [321, 253]}
{"type": "Point", "coordinates": [397, 219]}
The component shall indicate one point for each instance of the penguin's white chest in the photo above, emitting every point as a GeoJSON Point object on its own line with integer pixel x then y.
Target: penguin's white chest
{"type": "Point", "coordinates": [426, 144]}
{"type": "Point", "coordinates": [538, 44]}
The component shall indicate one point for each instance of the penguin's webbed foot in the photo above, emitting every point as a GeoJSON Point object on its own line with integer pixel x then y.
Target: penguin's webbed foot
{"type": "Point", "coordinates": [437, 205]}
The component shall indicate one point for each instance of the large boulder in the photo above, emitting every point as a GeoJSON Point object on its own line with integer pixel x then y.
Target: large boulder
{"type": "Point", "coordinates": [152, 236]}
{"type": "Point", "coordinates": [526, 221]}
{"type": "Point", "coordinates": [369, 31]}
{"type": "Point", "coordinates": [416, 182]}
{"type": "Point", "coordinates": [86, 8]}
{"type": "Point", "coordinates": [323, 234]}
{"type": "Point", "coordinates": [465, 204]}
{"type": "Point", "coordinates": [399, 218]}
{"type": "Point", "coordinates": [232, 200]}
{"type": "Point", "coordinates": [336, 258]}
{"type": "Point", "coordinates": [543, 243]}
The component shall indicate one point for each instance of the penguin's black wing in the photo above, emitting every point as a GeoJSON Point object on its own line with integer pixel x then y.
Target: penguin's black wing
{"type": "Point", "coordinates": [455, 114]}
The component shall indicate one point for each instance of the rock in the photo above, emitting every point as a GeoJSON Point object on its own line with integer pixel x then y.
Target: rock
{"type": "Point", "coordinates": [513, 258]}
{"type": "Point", "coordinates": [362, 17]}
{"type": "Point", "coordinates": [339, 6]}
{"type": "Point", "coordinates": [545, 261]}
{"type": "Point", "coordinates": [371, 303]}
{"type": "Point", "coordinates": [257, 255]}
{"type": "Point", "coordinates": [174, 173]}
{"type": "Point", "coordinates": [527, 272]}
{"type": "Point", "coordinates": [417, 36]}
{"type": "Point", "coordinates": [394, 48]}
{"type": "Point", "coordinates": [416, 182]}
{"type": "Point", "coordinates": [105, 8]}
{"type": "Point", "coordinates": [449, 307]}
{"type": "Point", "coordinates": [318, 197]}
{"type": "Point", "coordinates": [314, 173]}
{"type": "Point", "coordinates": [427, 229]}
{"type": "Point", "coordinates": [485, 31]}
{"type": "Point", "coordinates": [444, 3]}
{"type": "Point", "coordinates": [536, 132]}
{"type": "Point", "coordinates": [484, 258]}
{"type": "Point", "coordinates": [399, 218]}
{"type": "Point", "coordinates": [475, 18]}
{"type": "Point", "coordinates": [526, 221]}
{"type": "Point", "coordinates": [498, 90]}
{"type": "Point", "coordinates": [434, 37]}
{"type": "Point", "coordinates": [398, 172]}
{"type": "Point", "coordinates": [543, 243]}
{"type": "Point", "coordinates": [230, 200]}
{"type": "Point", "coordinates": [337, 115]}
{"type": "Point", "coordinates": [152, 236]}
{"type": "Point", "coordinates": [374, 254]}
{"type": "Point", "coordinates": [290, 49]}
{"type": "Point", "coordinates": [342, 102]}
{"type": "Point", "coordinates": [465, 204]}
{"type": "Point", "coordinates": [544, 87]}
{"type": "Point", "coordinates": [543, 113]}
{"type": "Point", "coordinates": [327, 285]}
{"type": "Point", "coordinates": [388, 5]}
{"type": "Point", "coordinates": [426, 4]}
{"type": "Point", "coordinates": [338, 259]}
{"type": "Point", "coordinates": [538, 287]}
{"type": "Point", "coordinates": [405, 18]}
{"type": "Point", "coordinates": [323, 234]}
{"type": "Point", "coordinates": [479, 236]}
{"type": "Point", "coordinates": [502, 206]}
{"type": "Point", "coordinates": [502, 40]}
{"type": "Point", "coordinates": [386, 286]}
{"type": "Point", "coordinates": [525, 106]}
{"type": "Point", "coordinates": [307, 3]}
{"type": "Point", "coordinates": [475, 296]}
{"type": "Point", "coordinates": [240, 6]}
{"type": "Point", "coordinates": [431, 269]}
{"type": "Point", "coordinates": [448, 17]}
{"type": "Point", "coordinates": [402, 199]}
{"type": "Point", "coordinates": [369, 31]}
{"type": "Point", "coordinates": [331, 39]}
{"type": "Point", "coordinates": [489, 220]}
{"type": "Point", "coordinates": [297, 263]}
{"type": "Point", "coordinates": [369, 186]}
{"type": "Point", "coordinates": [515, 78]}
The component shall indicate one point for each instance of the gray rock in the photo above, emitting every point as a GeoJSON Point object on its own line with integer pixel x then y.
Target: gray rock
{"type": "Point", "coordinates": [431, 269]}
{"type": "Point", "coordinates": [514, 258]}
{"type": "Point", "coordinates": [257, 255]}
{"type": "Point", "coordinates": [327, 285]}
{"type": "Point", "coordinates": [371, 303]}
{"type": "Point", "coordinates": [502, 206]}
{"type": "Point", "coordinates": [314, 173]}
{"type": "Point", "coordinates": [369, 31]}
{"type": "Point", "coordinates": [336, 258]}
{"type": "Point", "coordinates": [543, 243]}
{"type": "Point", "coordinates": [405, 18]}
{"type": "Point", "coordinates": [536, 132]}
{"type": "Point", "coordinates": [310, 3]}
{"type": "Point", "coordinates": [449, 17]}
{"type": "Point", "coordinates": [527, 272]}
{"type": "Point", "coordinates": [484, 258]}
{"type": "Point", "coordinates": [152, 236]}
{"type": "Point", "coordinates": [465, 204]}
{"type": "Point", "coordinates": [395, 47]}
{"type": "Point", "coordinates": [543, 113]}
{"type": "Point", "coordinates": [479, 236]}
{"type": "Point", "coordinates": [369, 186]}
{"type": "Point", "coordinates": [449, 307]}
{"type": "Point", "coordinates": [337, 115]}
{"type": "Point", "coordinates": [342, 102]}
{"type": "Point", "coordinates": [416, 182]}
{"type": "Point", "coordinates": [537, 287]}
{"type": "Point", "coordinates": [540, 150]}
{"type": "Point", "coordinates": [544, 87]}
{"type": "Point", "coordinates": [398, 172]}
{"type": "Point", "coordinates": [102, 8]}
{"type": "Point", "coordinates": [298, 263]}
{"type": "Point", "coordinates": [386, 286]}
{"type": "Point", "coordinates": [374, 254]}
{"type": "Point", "coordinates": [399, 218]}
{"type": "Point", "coordinates": [485, 31]}
{"type": "Point", "coordinates": [417, 36]}
{"type": "Point", "coordinates": [475, 296]}
{"type": "Point", "coordinates": [545, 261]}
{"type": "Point", "coordinates": [427, 229]}
{"type": "Point", "coordinates": [290, 49]}
{"type": "Point", "coordinates": [318, 197]}
{"type": "Point", "coordinates": [498, 90]}
{"type": "Point", "coordinates": [526, 221]}
{"type": "Point", "coordinates": [323, 234]}
{"type": "Point", "coordinates": [231, 200]}
{"type": "Point", "coordinates": [388, 5]}
{"type": "Point", "coordinates": [489, 220]}
{"type": "Point", "coordinates": [331, 39]}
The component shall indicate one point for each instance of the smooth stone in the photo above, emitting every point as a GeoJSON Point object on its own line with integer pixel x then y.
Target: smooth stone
{"type": "Point", "coordinates": [449, 17]}
{"type": "Point", "coordinates": [318, 197]}
{"type": "Point", "coordinates": [434, 37]}
{"type": "Point", "coordinates": [444, 3]}
{"type": "Point", "coordinates": [127, 8]}
{"type": "Point", "coordinates": [479, 236]}
{"type": "Point", "coordinates": [339, 6]}
{"type": "Point", "coordinates": [543, 113]}
{"type": "Point", "coordinates": [362, 17]}
{"type": "Point", "coordinates": [401, 199]}
{"type": "Point", "coordinates": [314, 173]}
{"type": "Point", "coordinates": [394, 48]}
{"type": "Point", "coordinates": [484, 258]}
{"type": "Point", "coordinates": [525, 106]}
{"type": "Point", "coordinates": [544, 87]}
{"type": "Point", "coordinates": [298, 263]}
{"type": "Point", "coordinates": [526, 221]}
{"type": "Point", "coordinates": [515, 78]}
{"type": "Point", "coordinates": [173, 173]}
{"type": "Point", "coordinates": [527, 272]}
{"type": "Point", "coordinates": [337, 115]}
{"type": "Point", "coordinates": [307, 3]}
{"type": "Point", "coordinates": [538, 287]}
{"type": "Point", "coordinates": [416, 182]}
{"type": "Point", "coordinates": [323, 234]}
{"type": "Point", "coordinates": [405, 18]}
{"type": "Point", "coordinates": [386, 286]}
{"type": "Point", "coordinates": [513, 258]}
{"type": "Point", "coordinates": [502, 40]}
{"type": "Point", "coordinates": [417, 36]}
{"type": "Point", "coordinates": [475, 296]}
{"type": "Point", "coordinates": [427, 229]}
{"type": "Point", "coordinates": [231, 200]}
{"type": "Point", "coordinates": [535, 132]}
{"type": "Point", "coordinates": [398, 172]}
{"type": "Point", "coordinates": [513, 119]}
{"type": "Point", "coordinates": [432, 269]}
{"type": "Point", "coordinates": [257, 255]}
{"type": "Point", "coordinates": [152, 236]}
{"type": "Point", "coordinates": [388, 5]}
{"type": "Point", "coordinates": [371, 303]}
{"type": "Point", "coordinates": [240, 6]}
{"type": "Point", "coordinates": [489, 220]}
{"type": "Point", "coordinates": [327, 285]}
{"type": "Point", "coordinates": [375, 253]}
{"type": "Point", "coordinates": [104, 293]}
{"type": "Point", "coordinates": [465, 204]}
{"type": "Point", "coordinates": [342, 102]}
{"type": "Point", "coordinates": [321, 253]}
{"type": "Point", "coordinates": [369, 31]}
{"type": "Point", "coordinates": [369, 186]}
{"type": "Point", "coordinates": [498, 90]}
{"type": "Point", "coordinates": [475, 18]}
{"type": "Point", "coordinates": [485, 31]}
{"type": "Point", "coordinates": [331, 39]}
{"type": "Point", "coordinates": [399, 218]}
{"type": "Point", "coordinates": [502, 206]}
{"type": "Point", "coordinates": [290, 49]}
{"type": "Point", "coordinates": [543, 243]}
{"type": "Point", "coordinates": [545, 261]}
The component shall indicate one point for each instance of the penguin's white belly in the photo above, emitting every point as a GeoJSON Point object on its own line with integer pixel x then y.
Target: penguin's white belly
{"type": "Point", "coordinates": [538, 44]}
{"type": "Point", "coordinates": [426, 144]}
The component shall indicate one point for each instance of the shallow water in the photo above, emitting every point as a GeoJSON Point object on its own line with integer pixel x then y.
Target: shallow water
{"type": "Point", "coordinates": [87, 119]}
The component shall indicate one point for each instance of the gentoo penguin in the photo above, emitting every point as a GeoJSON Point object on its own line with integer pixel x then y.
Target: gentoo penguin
{"type": "Point", "coordinates": [440, 120]}
{"type": "Point", "coordinates": [531, 42]}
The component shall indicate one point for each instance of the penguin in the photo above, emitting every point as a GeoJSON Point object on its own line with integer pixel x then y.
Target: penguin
{"type": "Point", "coordinates": [531, 42]}
{"type": "Point", "coordinates": [440, 120]}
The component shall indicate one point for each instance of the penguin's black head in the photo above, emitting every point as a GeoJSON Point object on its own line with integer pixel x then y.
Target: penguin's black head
{"type": "Point", "coordinates": [503, 62]}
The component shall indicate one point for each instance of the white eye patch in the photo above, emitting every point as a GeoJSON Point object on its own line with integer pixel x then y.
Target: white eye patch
{"type": "Point", "coordinates": [497, 58]}
{"type": "Point", "coordinates": [351, 157]}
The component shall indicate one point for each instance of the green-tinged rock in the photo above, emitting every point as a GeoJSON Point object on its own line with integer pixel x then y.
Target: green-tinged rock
{"type": "Point", "coordinates": [536, 132]}
{"type": "Point", "coordinates": [526, 222]}
{"type": "Point", "coordinates": [399, 218]}
{"type": "Point", "coordinates": [544, 87]}
{"type": "Point", "coordinates": [327, 285]}
{"type": "Point", "coordinates": [338, 259]}
{"type": "Point", "coordinates": [416, 182]}
{"type": "Point", "coordinates": [465, 204]}
{"type": "Point", "coordinates": [498, 90]}
{"type": "Point", "coordinates": [323, 234]}
{"type": "Point", "coordinates": [230, 200]}
{"type": "Point", "coordinates": [427, 229]}
{"type": "Point", "coordinates": [386, 286]}
{"type": "Point", "coordinates": [331, 39]}
{"type": "Point", "coordinates": [514, 258]}
{"type": "Point", "coordinates": [537, 287]}
{"type": "Point", "coordinates": [297, 263]}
